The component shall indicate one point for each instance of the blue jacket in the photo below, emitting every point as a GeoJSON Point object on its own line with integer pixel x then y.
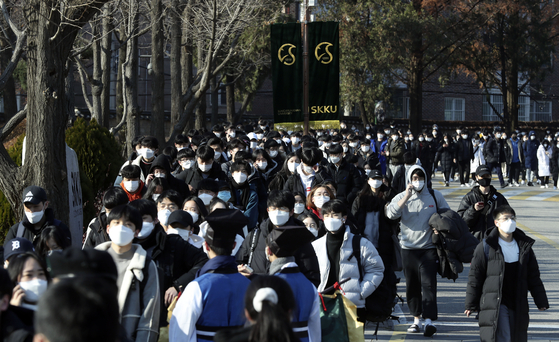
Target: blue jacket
{"type": "Point", "coordinates": [530, 148]}
{"type": "Point", "coordinates": [381, 158]}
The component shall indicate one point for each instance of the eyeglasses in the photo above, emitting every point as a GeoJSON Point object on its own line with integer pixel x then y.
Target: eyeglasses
{"type": "Point", "coordinates": [503, 219]}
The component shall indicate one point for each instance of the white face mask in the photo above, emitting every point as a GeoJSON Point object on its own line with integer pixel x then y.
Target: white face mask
{"type": "Point", "coordinates": [314, 231]}
{"type": "Point", "coordinates": [368, 137]}
{"type": "Point", "coordinates": [187, 164]}
{"type": "Point", "coordinates": [295, 140]}
{"type": "Point", "coordinates": [240, 177]}
{"type": "Point", "coordinates": [320, 200]}
{"type": "Point", "coordinates": [418, 185]}
{"type": "Point", "coordinates": [273, 154]}
{"type": "Point", "coordinates": [327, 145]}
{"type": "Point", "coordinates": [183, 233]}
{"type": "Point", "coordinates": [497, 135]}
{"type": "Point", "coordinates": [232, 134]}
{"type": "Point", "coordinates": [353, 144]}
{"type": "Point", "coordinates": [464, 136]}
{"type": "Point", "coordinates": [380, 136]}
{"type": "Point", "coordinates": [259, 136]}
{"type": "Point", "coordinates": [205, 167]}
{"type": "Point", "coordinates": [34, 289]}
{"type": "Point", "coordinates": [217, 155]}
{"type": "Point", "coordinates": [508, 227]}
{"type": "Point", "coordinates": [332, 224]}
{"type": "Point", "coordinates": [262, 165]}
{"type": "Point", "coordinates": [334, 160]}
{"type": "Point", "coordinates": [286, 140]}
{"type": "Point", "coordinates": [395, 137]}
{"type": "Point", "coordinates": [375, 183]}
{"type": "Point", "coordinates": [163, 216]}
{"type": "Point", "coordinates": [217, 134]}
{"type": "Point", "coordinates": [429, 139]}
{"type": "Point", "coordinates": [420, 138]}
{"type": "Point", "coordinates": [121, 235]}
{"type": "Point", "coordinates": [253, 145]}
{"type": "Point", "coordinates": [299, 208]}
{"type": "Point", "coordinates": [308, 169]}
{"type": "Point", "coordinates": [346, 149]}
{"type": "Point", "coordinates": [292, 166]}
{"type": "Point", "coordinates": [365, 148]}
{"type": "Point", "coordinates": [278, 217]}
{"type": "Point", "coordinates": [147, 228]}
{"type": "Point", "coordinates": [533, 137]}
{"type": "Point", "coordinates": [194, 215]}
{"type": "Point", "coordinates": [159, 175]}
{"type": "Point", "coordinates": [35, 217]}
{"type": "Point", "coordinates": [146, 153]}
{"type": "Point", "coordinates": [206, 198]}
{"type": "Point", "coordinates": [131, 186]}
{"type": "Point", "coordinates": [155, 196]}
{"type": "Point", "coordinates": [458, 131]}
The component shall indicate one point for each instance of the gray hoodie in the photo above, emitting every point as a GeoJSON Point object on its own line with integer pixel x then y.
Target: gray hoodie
{"type": "Point", "coordinates": [414, 216]}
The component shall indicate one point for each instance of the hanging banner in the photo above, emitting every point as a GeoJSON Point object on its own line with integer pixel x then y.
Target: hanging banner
{"type": "Point", "coordinates": [324, 75]}
{"type": "Point", "coordinates": [287, 76]}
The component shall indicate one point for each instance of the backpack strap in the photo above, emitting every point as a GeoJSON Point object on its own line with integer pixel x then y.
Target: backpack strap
{"type": "Point", "coordinates": [356, 246]}
{"type": "Point", "coordinates": [432, 192]}
{"type": "Point", "coordinates": [485, 250]}
{"type": "Point", "coordinates": [255, 235]}
{"type": "Point", "coordinates": [20, 230]}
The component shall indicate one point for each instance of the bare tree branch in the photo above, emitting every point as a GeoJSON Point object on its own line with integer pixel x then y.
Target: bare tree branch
{"type": "Point", "coordinates": [14, 121]}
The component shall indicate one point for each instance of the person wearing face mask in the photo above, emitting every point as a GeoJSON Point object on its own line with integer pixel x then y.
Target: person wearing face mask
{"type": "Point", "coordinates": [28, 273]}
{"type": "Point", "coordinates": [181, 224]}
{"type": "Point", "coordinates": [218, 146]}
{"type": "Point", "coordinates": [399, 181]}
{"type": "Point", "coordinates": [51, 240]}
{"type": "Point", "coordinates": [317, 197]}
{"type": "Point", "coordinates": [446, 155]}
{"type": "Point", "coordinates": [494, 155]}
{"type": "Point", "coordinates": [155, 189]}
{"type": "Point", "coordinates": [244, 195]}
{"type": "Point", "coordinates": [478, 160]}
{"type": "Point", "coordinates": [218, 281]}
{"type": "Point", "coordinates": [139, 304]}
{"type": "Point", "coordinates": [16, 323]}
{"type": "Point", "coordinates": [464, 155]}
{"type": "Point", "coordinates": [289, 167]}
{"type": "Point", "coordinates": [504, 268]}
{"type": "Point", "coordinates": [394, 152]}
{"type": "Point", "coordinates": [131, 183]}
{"type": "Point", "coordinates": [544, 157]}
{"type": "Point", "coordinates": [530, 148]}
{"type": "Point", "coordinates": [218, 130]}
{"type": "Point", "coordinates": [513, 154]}
{"type": "Point", "coordinates": [207, 190]}
{"type": "Point", "coordinates": [265, 166]}
{"type": "Point", "coordinates": [368, 156]}
{"type": "Point", "coordinates": [167, 202]}
{"type": "Point", "coordinates": [425, 151]}
{"type": "Point", "coordinates": [414, 207]}
{"type": "Point", "coordinates": [309, 173]}
{"type": "Point", "coordinates": [205, 167]}
{"type": "Point", "coordinates": [333, 251]}
{"type": "Point", "coordinates": [161, 168]}
{"type": "Point", "coordinates": [272, 148]}
{"type": "Point", "coordinates": [186, 161]}
{"type": "Point", "coordinates": [178, 259]}
{"type": "Point", "coordinates": [344, 174]}
{"type": "Point", "coordinates": [37, 216]}
{"type": "Point", "coordinates": [281, 245]}
{"type": "Point", "coordinates": [149, 148]}
{"type": "Point", "coordinates": [295, 142]}
{"type": "Point", "coordinates": [477, 206]}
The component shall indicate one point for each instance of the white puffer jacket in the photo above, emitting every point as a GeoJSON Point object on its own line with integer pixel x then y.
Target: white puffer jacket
{"type": "Point", "coordinates": [373, 268]}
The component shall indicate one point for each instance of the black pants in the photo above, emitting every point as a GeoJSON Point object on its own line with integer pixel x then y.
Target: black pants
{"type": "Point", "coordinates": [544, 180]}
{"type": "Point", "coordinates": [555, 178]}
{"type": "Point", "coordinates": [499, 171]}
{"type": "Point", "coordinates": [464, 168]}
{"type": "Point", "coordinates": [420, 269]}
{"type": "Point", "coordinates": [514, 172]}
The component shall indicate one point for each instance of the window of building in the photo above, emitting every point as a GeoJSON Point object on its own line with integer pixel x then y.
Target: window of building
{"type": "Point", "coordinates": [497, 101]}
{"type": "Point", "coordinates": [399, 108]}
{"type": "Point", "coordinates": [454, 109]}
{"type": "Point", "coordinates": [540, 111]}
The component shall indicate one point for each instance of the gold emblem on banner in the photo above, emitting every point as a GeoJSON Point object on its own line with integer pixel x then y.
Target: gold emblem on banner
{"type": "Point", "coordinates": [323, 58]}
{"type": "Point", "coordinates": [289, 58]}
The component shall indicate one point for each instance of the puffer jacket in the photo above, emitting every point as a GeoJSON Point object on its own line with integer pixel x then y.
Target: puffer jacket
{"type": "Point", "coordinates": [455, 244]}
{"type": "Point", "coordinates": [555, 161]}
{"type": "Point", "coordinates": [492, 151]}
{"type": "Point", "coordinates": [373, 268]}
{"type": "Point", "coordinates": [446, 156]}
{"type": "Point", "coordinates": [530, 148]}
{"type": "Point", "coordinates": [479, 221]}
{"type": "Point", "coordinates": [485, 286]}
{"type": "Point", "coordinates": [397, 149]}
{"type": "Point", "coordinates": [414, 216]}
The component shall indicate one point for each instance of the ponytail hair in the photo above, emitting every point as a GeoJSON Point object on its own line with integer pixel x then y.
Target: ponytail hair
{"type": "Point", "coordinates": [270, 302]}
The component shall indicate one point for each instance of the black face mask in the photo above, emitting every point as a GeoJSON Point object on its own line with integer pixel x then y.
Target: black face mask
{"type": "Point", "coordinates": [484, 182]}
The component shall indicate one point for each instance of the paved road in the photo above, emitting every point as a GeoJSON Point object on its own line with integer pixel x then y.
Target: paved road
{"type": "Point", "coordinates": [538, 216]}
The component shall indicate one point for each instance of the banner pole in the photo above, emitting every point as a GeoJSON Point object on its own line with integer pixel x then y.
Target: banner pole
{"type": "Point", "coordinates": [306, 70]}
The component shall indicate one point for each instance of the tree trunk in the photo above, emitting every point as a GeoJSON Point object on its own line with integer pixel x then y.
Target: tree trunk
{"type": "Point", "coordinates": [106, 55]}
{"type": "Point", "coordinates": [415, 86]}
{"type": "Point", "coordinates": [363, 113]}
{"type": "Point", "coordinates": [70, 97]}
{"type": "Point", "coordinates": [214, 99]}
{"type": "Point", "coordinates": [230, 98]}
{"type": "Point", "coordinates": [130, 79]}
{"type": "Point", "coordinates": [9, 92]}
{"type": "Point", "coordinates": [201, 110]}
{"type": "Point", "coordinates": [175, 62]}
{"type": "Point", "coordinates": [96, 85]}
{"type": "Point", "coordinates": [119, 84]}
{"type": "Point", "coordinates": [187, 62]}
{"type": "Point", "coordinates": [157, 76]}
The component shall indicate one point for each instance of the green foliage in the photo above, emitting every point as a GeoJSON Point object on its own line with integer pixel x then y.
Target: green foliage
{"type": "Point", "coordinates": [99, 158]}
{"type": "Point", "coordinates": [7, 216]}
{"type": "Point", "coordinates": [20, 74]}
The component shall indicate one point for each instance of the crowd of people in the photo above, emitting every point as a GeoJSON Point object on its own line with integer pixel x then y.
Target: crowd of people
{"type": "Point", "coordinates": [231, 234]}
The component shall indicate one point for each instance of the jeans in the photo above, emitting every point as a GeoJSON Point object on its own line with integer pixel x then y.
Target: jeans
{"type": "Point", "coordinates": [420, 269]}
{"type": "Point", "coordinates": [499, 171]}
{"type": "Point", "coordinates": [504, 324]}
{"type": "Point", "coordinates": [464, 169]}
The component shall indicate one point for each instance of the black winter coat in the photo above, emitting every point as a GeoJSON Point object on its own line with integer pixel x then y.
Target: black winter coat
{"type": "Point", "coordinates": [294, 182]}
{"type": "Point", "coordinates": [455, 244]}
{"type": "Point", "coordinates": [492, 151]}
{"type": "Point", "coordinates": [426, 152]}
{"type": "Point", "coordinates": [305, 257]}
{"type": "Point", "coordinates": [446, 156]}
{"type": "Point", "coordinates": [464, 150]}
{"type": "Point", "coordinates": [485, 286]}
{"type": "Point", "coordinates": [348, 180]}
{"type": "Point", "coordinates": [162, 161]}
{"type": "Point", "coordinates": [555, 161]}
{"type": "Point", "coordinates": [480, 221]}
{"type": "Point", "coordinates": [16, 325]}
{"type": "Point", "coordinates": [98, 233]}
{"type": "Point", "coordinates": [32, 234]}
{"type": "Point", "coordinates": [193, 175]}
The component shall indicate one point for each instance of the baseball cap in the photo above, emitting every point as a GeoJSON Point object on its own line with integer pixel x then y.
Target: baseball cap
{"type": "Point", "coordinates": [483, 170]}
{"type": "Point", "coordinates": [74, 262]}
{"type": "Point", "coordinates": [34, 194]}
{"type": "Point", "coordinates": [285, 241]}
{"type": "Point", "coordinates": [17, 246]}
{"type": "Point", "coordinates": [180, 217]}
{"type": "Point", "coordinates": [375, 174]}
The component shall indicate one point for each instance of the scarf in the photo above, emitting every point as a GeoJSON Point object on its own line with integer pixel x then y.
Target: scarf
{"type": "Point", "coordinates": [245, 193]}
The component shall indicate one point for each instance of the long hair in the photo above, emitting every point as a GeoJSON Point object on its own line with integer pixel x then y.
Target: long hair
{"type": "Point", "coordinates": [15, 268]}
{"type": "Point", "coordinates": [273, 322]}
{"type": "Point", "coordinates": [369, 201]}
{"type": "Point", "coordinates": [310, 203]}
{"type": "Point", "coordinates": [51, 233]}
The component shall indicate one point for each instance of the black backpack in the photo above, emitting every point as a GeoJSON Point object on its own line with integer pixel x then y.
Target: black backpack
{"type": "Point", "coordinates": [379, 304]}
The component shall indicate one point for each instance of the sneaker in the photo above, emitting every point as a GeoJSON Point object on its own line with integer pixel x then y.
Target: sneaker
{"type": "Point", "coordinates": [539, 181]}
{"type": "Point", "coordinates": [522, 182]}
{"type": "Point", "coordinates": [451, 179]}
{"type": "Point", "coordinates": [430, 330]}
{"type": "Point", "coordinates": [414, 328]}
{"type": "Point", "coordinates": [462, 185]}
{"type": "Point", "coordinates": [530, 184]}
{"type": "Point", "coordinates": [541, 187]}
{"type": "Point", "coordinates": [554, 188]}
{"type": "Point", "coordinates": [547, 186]}
{"type": "Point", "coordinates": [503, 185]}
{"type": "Point", "coordinates": [446, 184]}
